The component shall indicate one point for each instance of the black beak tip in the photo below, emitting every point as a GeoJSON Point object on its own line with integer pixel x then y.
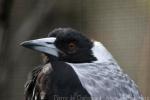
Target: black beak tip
{"type": "Point", "coordinates": [25, 44]}
{"type": "Point", "coordinates": [21, 44]}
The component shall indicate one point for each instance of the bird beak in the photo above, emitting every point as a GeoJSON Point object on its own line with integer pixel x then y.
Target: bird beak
{"type": "Point", "coordinates": [44, 45]}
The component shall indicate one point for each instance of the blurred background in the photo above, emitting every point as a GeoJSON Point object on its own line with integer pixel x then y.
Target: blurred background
{"type": "Point", "coordinates": [123, 26]}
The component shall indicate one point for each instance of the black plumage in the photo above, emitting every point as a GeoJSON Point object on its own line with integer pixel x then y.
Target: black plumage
{"type": "Point", "coordinates": [77, 69]}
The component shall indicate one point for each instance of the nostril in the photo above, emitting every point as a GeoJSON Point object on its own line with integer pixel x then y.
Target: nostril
{"type": "Point", "coordinates": [49, 42]}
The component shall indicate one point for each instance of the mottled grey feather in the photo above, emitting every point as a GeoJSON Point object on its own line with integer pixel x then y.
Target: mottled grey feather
{"type": "Point", "coordinates": [106, 81]}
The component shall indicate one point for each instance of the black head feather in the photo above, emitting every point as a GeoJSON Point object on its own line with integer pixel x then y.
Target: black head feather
{"type": "Point", "coordinates": [75, 46]}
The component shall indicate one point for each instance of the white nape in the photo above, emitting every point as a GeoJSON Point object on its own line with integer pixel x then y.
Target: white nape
{"type": "Point", "coordinates": [100, 52]}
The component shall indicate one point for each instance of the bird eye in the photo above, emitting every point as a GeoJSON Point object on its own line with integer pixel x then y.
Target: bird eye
{"type": "Point", "coordinates": [71, 45]}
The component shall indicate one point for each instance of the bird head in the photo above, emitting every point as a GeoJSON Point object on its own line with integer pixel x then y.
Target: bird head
{"type": "Point", "coordinates": [64, 44]}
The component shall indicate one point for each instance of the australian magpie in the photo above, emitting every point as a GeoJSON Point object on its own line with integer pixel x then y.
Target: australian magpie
{"type": "Point", "coordinates": [77, 68]}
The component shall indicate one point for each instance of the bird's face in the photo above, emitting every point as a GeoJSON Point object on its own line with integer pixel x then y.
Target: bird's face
{"type": "Point", "coordinates": [65, 45]}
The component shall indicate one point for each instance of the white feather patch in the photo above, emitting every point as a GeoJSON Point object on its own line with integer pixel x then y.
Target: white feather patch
{"type": "Point", "coordinates": [47, 68]}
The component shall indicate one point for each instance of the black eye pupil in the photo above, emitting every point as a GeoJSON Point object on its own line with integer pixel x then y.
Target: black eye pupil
{"type": "Point", "coordinates": [71, 45]}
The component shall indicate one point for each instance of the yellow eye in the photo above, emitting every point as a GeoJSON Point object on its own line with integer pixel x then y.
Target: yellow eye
{"type": "Point", "coordinates": [71, 46]}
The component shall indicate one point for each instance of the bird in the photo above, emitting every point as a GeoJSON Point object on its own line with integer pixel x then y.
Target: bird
{"type": "Point", "coordinates": [77, 68]}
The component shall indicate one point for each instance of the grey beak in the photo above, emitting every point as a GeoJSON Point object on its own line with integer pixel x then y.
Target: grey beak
{"type": "Point", "coordinates": [44, 45]}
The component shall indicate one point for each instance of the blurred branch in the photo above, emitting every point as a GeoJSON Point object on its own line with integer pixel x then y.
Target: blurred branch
{"type": "Point", "coordinates": [5, 6]}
